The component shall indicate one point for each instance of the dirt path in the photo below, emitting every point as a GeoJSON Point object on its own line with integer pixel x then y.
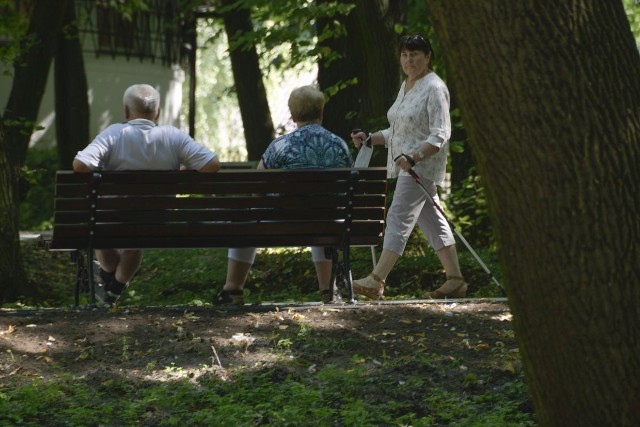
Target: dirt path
{"type": "Point", "coordinates": [170, 342]}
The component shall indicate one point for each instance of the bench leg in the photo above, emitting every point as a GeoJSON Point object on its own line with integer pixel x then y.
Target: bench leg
{"type": "Point", "coordinates": [92, 282]}
{"type": "Point", "coordinates": [340, 273]}
{"type": "Point", "coordinates": [348, 278]}
{"type": "Point", "coordinates": [82, 275]}
{"type": "Point", "coordinates": [333, 254]}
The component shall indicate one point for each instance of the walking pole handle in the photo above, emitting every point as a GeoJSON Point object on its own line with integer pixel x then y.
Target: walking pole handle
{"type": "Point", "coordinates": [411, 162]}
{"type": "Point", "coordinates": [367, 140]}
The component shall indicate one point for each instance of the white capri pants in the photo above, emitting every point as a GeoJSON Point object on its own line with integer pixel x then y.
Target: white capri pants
{"type": "Point", "coordinates": [248, 255]}
{"type": "Point", "coordinates": [410, 205]}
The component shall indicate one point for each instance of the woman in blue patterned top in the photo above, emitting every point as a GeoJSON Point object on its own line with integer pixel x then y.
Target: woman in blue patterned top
{"type": "Point", "coordinates": [308, 146]}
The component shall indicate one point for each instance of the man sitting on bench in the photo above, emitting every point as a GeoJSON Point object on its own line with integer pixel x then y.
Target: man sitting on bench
{"type": "Point", "coordinates": [138, 144]}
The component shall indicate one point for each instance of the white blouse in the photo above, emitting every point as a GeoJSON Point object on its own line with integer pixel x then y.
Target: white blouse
{"type": "Point", "coordinates": [421, 116]}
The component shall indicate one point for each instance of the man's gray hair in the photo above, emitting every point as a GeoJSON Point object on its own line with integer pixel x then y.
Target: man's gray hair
{"type": "Point", "coordinates": [142, 99]}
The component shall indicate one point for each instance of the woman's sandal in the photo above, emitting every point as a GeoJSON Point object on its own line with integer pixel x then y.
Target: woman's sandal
{"type": "Point", "coordinates": [234, 297]}
{"type": "Point", "coordinates": [371, 286]}
{"type": "Point", "coordinates": [454, 287]}
{"type": "Point", "coordinates": [325, 296]}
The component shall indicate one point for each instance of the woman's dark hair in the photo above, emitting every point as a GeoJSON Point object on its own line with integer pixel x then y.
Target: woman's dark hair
{"type": "Point", "coordinates": [416, 42]}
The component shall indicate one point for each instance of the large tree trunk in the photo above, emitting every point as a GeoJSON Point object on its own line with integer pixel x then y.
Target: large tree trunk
{"type": "Point", "coordinates": [550, 96]}
{"type": "Point", "coordinates": [252, 95]}
{"type": "Point", "coordinates": [72, 106]}
{"type": "Point", "coordinates": [366, 62]}
{"type": "Point", "coordinates": [18, 121]}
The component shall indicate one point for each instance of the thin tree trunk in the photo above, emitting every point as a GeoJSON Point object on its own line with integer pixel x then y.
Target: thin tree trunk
{"type": "Point", "coordinates": [367, 63]}
{"type": "Point", "coordinates": [30, 77]}
{"type": "Point", "coordinates": [252, 95]}
{"type": "Point", "coordinates": [12, 274]}
{"type": "Point", "coordinates": [31, 73]}
{"type": "Point", "coordinates": [71, 104]}
{"type": "Point", "coordinates": [550, 96]}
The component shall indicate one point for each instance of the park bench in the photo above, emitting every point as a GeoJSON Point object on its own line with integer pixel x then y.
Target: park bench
{"type": "Point", "coordinates": [337, 208]}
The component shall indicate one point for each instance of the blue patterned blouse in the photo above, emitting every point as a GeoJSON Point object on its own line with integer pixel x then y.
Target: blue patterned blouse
{"type": "Point", "coordinates": [309, 146]}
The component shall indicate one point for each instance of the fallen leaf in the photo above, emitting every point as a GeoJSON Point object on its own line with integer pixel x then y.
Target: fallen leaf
{"type": "Point", "coordinates": [83, 356]}
{"type": "Point", "coordinates": [10, 329]}
{"type": "Point", "coordinates": [47, 359]}
{"type": "Point", "coordinates": [508, 366]}
{"type": "Point", "coordinates": [242, 340]}
{"type": "Point", "coordinates": [503, 317]}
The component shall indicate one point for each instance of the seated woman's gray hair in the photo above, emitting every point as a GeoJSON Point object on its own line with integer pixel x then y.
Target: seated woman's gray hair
{"type": "Point", "coordinates": [306, 104]}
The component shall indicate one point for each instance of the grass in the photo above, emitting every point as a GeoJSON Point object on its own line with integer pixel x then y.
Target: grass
{"type": "Point", "coordinates": [193, 276]}
{"type": "Point", "coordinates": [276, 398]}
{"type": "Point", "coordinates": [404, 391]}
{"type": "Point", "coordinates": [400, 391]}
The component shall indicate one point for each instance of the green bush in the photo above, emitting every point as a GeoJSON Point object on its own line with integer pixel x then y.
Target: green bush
{"type": "Point", "coordinates": [37, 188]}
{"type": "Point", "coordinates": [468, 206]}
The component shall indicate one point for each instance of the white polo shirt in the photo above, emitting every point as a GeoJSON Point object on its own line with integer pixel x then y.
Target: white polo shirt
{"type": "Point", "coordinates": [140, 144]}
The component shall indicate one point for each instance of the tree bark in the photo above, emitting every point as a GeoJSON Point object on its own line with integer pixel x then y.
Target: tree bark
{"type": "Point", "coordinates": [550, 97]}
{"type": "Point", "coordinates": [71, 104]}
{"type": "Point", "coordinates": [367, 63]}
{"type": "Point", "coordinates": [17, 123]}
{"type": "Point", "coordinates": [12, 273]}
{"type": "Point", "coordinates": [30, 76]}
{"type": "Point", "coordinates": [252, 95]}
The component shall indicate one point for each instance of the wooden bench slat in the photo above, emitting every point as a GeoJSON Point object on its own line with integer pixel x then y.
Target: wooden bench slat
{"type": "Point", "coordinates": [221, 242]}
{"type": "Point", "coordinates": [220, 189]}
{"type": "Point", "coordinates": [235, 215]}
{"type": "Point", "coordinates": [169, 177]}
{"type": "Point", "coordinates": [145, 203]}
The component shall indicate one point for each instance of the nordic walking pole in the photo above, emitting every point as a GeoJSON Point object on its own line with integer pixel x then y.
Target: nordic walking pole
{"type": "Point", "coordinates": [453, 227]}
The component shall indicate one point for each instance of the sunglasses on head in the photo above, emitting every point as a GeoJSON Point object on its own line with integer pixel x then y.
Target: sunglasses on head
{"type": "Point", "coordinates": [413, 38]}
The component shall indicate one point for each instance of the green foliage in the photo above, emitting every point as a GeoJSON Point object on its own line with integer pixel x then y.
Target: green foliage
{"type": "Point", "coordinates": [632, 9]}
{"type": "Point", "coordinates": [285, 38]}
{"type": "Point", "coordinates": [193, 276]}
{"type": "Point", "coordinates": [128, 8]}
{"type": "Point", "coordinates": [13, 25]}
{"type": "Point", "coordinates": [295, 24]}
{"type": "Point", "coordinates": [50, 274]}
{"type": "Point", "coordinates": [284, 395]}
{"type": "Point", "coordinates": [38, 178]}
{"type": "Point", "coordinates": [468, 203]}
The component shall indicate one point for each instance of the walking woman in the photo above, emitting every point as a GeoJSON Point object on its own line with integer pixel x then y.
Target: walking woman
{"type": "Point", "coordinates": [418, 138]}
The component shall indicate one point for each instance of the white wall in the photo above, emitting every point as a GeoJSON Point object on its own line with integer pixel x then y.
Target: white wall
{"type": "Point", "coordinates": [107, 80]}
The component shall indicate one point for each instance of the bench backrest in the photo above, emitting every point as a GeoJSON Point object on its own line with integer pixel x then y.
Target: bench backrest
{"type": "Point", "coordinates": [231, 208]}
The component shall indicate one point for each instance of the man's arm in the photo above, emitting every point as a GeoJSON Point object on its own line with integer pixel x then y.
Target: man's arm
{"type": "Point", "coordinates": [212, 166]}
{"type": "Point", "coordinates": [78, 166]}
